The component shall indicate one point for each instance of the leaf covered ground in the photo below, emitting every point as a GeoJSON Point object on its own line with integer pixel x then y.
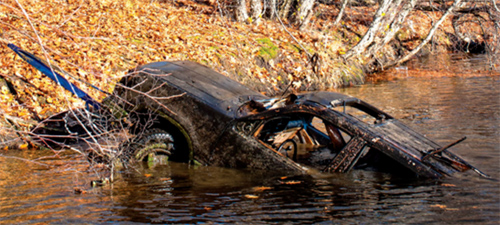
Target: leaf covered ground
{"type": "Point", "coordinates": [100, 40]}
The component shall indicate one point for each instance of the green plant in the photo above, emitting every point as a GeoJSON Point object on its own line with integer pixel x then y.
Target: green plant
{"type": "Point", "coordinates": [269, 50]}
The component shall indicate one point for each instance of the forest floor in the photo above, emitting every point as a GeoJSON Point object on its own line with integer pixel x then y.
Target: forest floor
{"type": "Point", "coordinates": [98, 41]}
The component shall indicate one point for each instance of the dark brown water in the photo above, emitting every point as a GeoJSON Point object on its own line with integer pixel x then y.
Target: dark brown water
{"type": "Point", "coordinates": [445, 108]}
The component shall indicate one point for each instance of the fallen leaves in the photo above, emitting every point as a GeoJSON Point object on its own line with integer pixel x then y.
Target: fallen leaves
{"type": "Point", "coordinates": [98, 41]}
{"type": "Point", "coordinates": [24, 146]}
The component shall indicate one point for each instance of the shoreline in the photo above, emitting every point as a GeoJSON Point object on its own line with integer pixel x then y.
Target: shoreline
{"type": "Point", "coordinates": [14, 141]}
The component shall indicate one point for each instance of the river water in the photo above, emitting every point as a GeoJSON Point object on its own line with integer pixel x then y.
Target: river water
{"type": "Point", "coordinates": [42, 190]}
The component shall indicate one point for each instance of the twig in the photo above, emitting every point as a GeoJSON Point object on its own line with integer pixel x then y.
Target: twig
{"type": "Point", "coordinates": [155, 99]}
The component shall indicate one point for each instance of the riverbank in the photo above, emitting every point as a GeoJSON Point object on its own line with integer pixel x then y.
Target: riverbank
{"type": "Point", "coordinates": [441, 65]}
{"type": "Point", "coordinates": [99, 41]}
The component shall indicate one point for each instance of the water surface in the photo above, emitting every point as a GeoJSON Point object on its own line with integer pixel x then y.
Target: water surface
{"type": "Point", "coordinates": [445, 109]}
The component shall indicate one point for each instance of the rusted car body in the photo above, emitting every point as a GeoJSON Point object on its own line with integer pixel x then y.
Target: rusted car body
{"type": "Point", "coordinates": [210, 119]}
{"type": "Point", "coordinates": [184, 111]}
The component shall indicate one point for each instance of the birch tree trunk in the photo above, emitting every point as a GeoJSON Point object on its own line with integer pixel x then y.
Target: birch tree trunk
{"type": "Point", "coordinates": [427, 38]}
{"type": "Point", "coordinates": [297, 12]}
{"type": "Point", "coordinates": [398, 16]}
{"type": "Point", "coordinates": [304, 13]}
{"type": "Point", "coordinates": [241, 11]}
{"type": "Point", "coordinates": [256, 10]}
{"type": "Point", "coordinates": [285, 8]}
{"type": "Point", "coordinates": [399, 20]}
{"type": "Point", "coordinates": [272, 9]}
{"type": "Point", "coordinates": [372, 31]}
{"type": "Point", "coordinates": [341, 12]}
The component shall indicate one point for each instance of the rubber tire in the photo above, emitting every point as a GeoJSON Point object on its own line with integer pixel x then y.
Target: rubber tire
{"type": "Point", "coordinates": [152, 143]}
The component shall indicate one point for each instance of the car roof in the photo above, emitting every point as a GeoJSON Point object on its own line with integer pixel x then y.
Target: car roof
{"type": "Point", "coordinates": [326, 98]}
{"type": "Point", "coordinates": [196, 80]}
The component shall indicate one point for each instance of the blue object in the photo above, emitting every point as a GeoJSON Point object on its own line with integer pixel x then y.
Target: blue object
{"type": "Point", "coordinates": [45, 69]}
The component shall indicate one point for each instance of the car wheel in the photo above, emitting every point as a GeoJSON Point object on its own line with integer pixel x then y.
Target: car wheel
{"type": "Point", "coordinates": [154, 147]}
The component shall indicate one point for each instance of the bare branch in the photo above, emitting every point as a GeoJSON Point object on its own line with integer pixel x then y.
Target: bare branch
{"type": "Point", "coordinates": [154, 98]}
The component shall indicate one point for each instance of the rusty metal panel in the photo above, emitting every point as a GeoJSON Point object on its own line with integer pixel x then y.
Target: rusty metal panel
{"type": "Point", "coordinates": [348, 156]}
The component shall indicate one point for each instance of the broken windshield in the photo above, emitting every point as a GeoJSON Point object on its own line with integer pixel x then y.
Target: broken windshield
{"type": "Point", "coordinates": [304, 138]}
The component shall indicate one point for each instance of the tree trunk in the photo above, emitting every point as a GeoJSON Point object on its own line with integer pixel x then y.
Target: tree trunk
{"type": "Point", "coordinates": [454, 22]}
{"type": "Point", "coordinates": [273, 4]}
{"type": "Point", "coordinates": [285, 9]}
{"type": "Point", "coordinates": [372, 31]}
{"type": "Point", "coordinates": [399, 20]}
{"type": "Point", "coordinates": [304, 13]}
{"type": "Point", "coordinates": [428, 38]}
{"type": "Point", "coordinates": [341, 12]}
{"type": "Point", "coordinates": [256, 10]}
{"type": "Point", "coordinates": [385, 29]}
{"type": "Point", "coordinates": [396, 22]}
{"type": "Point", "coordinates": [241, 11]}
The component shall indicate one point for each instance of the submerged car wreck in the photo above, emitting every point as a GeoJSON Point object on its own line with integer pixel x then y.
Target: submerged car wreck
{"type": "Point", "coordinates": [186, 112]}
{"type": "Point", "coordinates": [217, 121]}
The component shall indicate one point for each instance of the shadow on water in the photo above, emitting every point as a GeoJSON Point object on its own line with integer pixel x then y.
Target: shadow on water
{"type": "Point", "coordinates": [443, 108]}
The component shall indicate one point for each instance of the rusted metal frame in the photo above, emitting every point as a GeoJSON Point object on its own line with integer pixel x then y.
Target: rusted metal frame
{"type": "Point", "coordinates": [348, 156]}
{"type": "Point", "coordinates": [344, 161]}
{"type": "Point", "coordinates": [416, 134]}
{"type": "Point", "coordinates": [386, 147]}
{"type": "Point", "coordinates": [436, 151]}
{"type": "Point", "coordinates": [305, 138]}
{"type": "Point", "coordinates": [283, 158]}
{"type": "Point", "coordinates": [290, 133]}
{"type": "Point", "coordinates": [455, 158]}
{"type": "Point", "coordinates": [286, 135]}
{"type": "Point", "coordinates": [400, 154]}
{"type": "Point", "coordinates": [412, 149]}
{"type": "Point", "coordinates": [363, 106]}
{"type": "Point", "coordinates": [288, 110]}
{"type": "Point", "coordinates": [312, 109]}
{"type": "Point", "coordinates": [269, 147]}
{"type": "Point", "coordinates": [432, 162]}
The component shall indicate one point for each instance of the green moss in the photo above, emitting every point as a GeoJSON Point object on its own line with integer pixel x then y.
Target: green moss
{"type": "Point", "coordinates": [268, 50]}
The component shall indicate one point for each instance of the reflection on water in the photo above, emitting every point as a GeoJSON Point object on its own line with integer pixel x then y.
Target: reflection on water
{"type": "Point", "coordinates": [458, 63]}
{"type": "Point", "coordinates": [445, 109]}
